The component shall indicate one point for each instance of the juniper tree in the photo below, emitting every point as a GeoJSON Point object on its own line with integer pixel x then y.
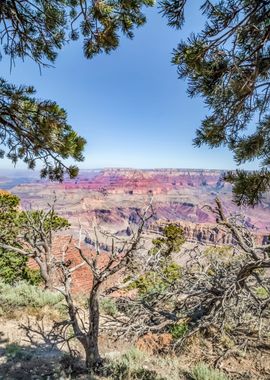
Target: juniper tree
{"type": "Point", "coordinates": [101, 269]}
{"type": "Point", "coordinates": [25, 235]}
{"type": "Point", "coordinates": [31, 129]}
{"type": "Point", "coordinates": [13, 266]}
{"type": "Point", "coordinates": [228, 64]}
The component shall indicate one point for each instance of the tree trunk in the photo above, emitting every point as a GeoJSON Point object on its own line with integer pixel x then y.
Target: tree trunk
{"type": "Point", "coordinates": [46, 273]}
{"type": "Point", "coordinates": [49, 284]}
{"type": "Point", "coordinates": [47, 276]}
{"type": "Point", "coordinates": [92, 356]}
{"type": "Point", "coordinates": [92, 349]}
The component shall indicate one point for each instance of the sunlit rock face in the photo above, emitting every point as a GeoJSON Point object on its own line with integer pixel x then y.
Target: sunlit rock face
{"type": "Point", "coordinates": [113, 197]}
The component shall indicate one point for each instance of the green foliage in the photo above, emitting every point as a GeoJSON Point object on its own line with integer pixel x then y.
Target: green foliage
{"type": "Point", "coordinates": [24, 295]}
{"type": "Point", "coordinates": [168, 272]}
{"type": "Point", "coordinates": [223, 251]}
{"type": "Point", "coordinates": [172, 272]}
{"type": "Point", "coordinates": [179, 330]}
{"type": "Point", "coordinates": [202, 372]}
{"type": "Point", "coordinates": [133, 356]}
{"type": "Point", "coordinates": [13, 351]}
{"type": "Point", "coordinates": [262, 292]}
{"type": "Point", "coordinates": [44, 27]}
{"type": "Point", "coordinates": [37, 29]}
{"type": "Point", "coordinates": [154, 281]}
{"type": "Point", "coordinates": [15, 224]}
{"type": "Point", "coordinates": [171, 241]}
{"type": "Point", "coordinates": [13, 266]}
{"type": "Point", "coordinates": [147, 283]}
{"type": "Point", "coordinates": [121, 371]}
{"type": "Point", "coordinates": [249, 187]}
{"type": "Point", "coordinates": [104, 22]}
{"type": "Point", "coordinates": [130, 366]}
{"type": "Point", "coordinates": [108, 307]}
{"type": "Point", "coordinates": [33, 130]}
{"type": "Point", "coordinates": [9, 204]}
{"type": "Point", "coordinates": [227, 64]}
{"type": "Point", "coordinates": [51, 222]}
{"type": "Point", "coordinates": [220, 257]}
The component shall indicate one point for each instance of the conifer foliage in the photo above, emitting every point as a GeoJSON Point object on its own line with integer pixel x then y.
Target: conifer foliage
{"type": "Point", "coordinates": [34, 130]}
{"type": "Point", "coordinates": [13, 266]}
{"type": "Point", "coordinates": [31, 130]}
{"type": "Point", "coordinates": [228, 64]}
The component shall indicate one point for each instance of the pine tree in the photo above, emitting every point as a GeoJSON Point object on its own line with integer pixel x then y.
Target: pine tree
{"type": "Point", "coordinates": [228, 64]}
{"type": "Point", "coordinates": [31, 129]}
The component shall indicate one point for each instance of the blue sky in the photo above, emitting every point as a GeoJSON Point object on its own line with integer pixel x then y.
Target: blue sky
{"type": "Point", "coordinates": [129, 105]}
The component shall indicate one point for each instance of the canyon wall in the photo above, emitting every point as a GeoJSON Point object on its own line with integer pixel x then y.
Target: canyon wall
{"type": "Point", "coordinates": [113, 198]}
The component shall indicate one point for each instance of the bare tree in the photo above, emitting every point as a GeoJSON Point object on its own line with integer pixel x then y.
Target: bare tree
{"type": "Point", "coordinates": [35, 239]}
{"type": "Point", "coordinates": [223, 289]}
{"type": "Point", "coordinates": [122, 253]}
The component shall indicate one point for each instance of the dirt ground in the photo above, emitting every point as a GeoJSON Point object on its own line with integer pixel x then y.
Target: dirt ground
{"type": "Point", "coordinates": [31, 355]}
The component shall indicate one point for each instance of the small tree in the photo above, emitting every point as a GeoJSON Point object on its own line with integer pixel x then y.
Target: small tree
{"type": "Point", "coordinates": [30, 234]}
{"type": "Point", "coordinates": [159, 270]}
{"type": "Point", "coordinates": [154, 276]}
{"type": "Point", "coordinates": [13, 266]}
{"type": "Point", "coordinates": [121, 256]}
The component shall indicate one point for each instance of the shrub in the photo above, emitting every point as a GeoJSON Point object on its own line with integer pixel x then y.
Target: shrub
{"type": "Point", "coordinates": [12, 350]}
{"type": "Point", "coordinates": [202, 372]}
{"type": "Point", "coordinates": [130, 367]}
{"type": "Point", "coordinates": [152, 281]}
{"type": "Point", "coordinates": [262, 292]}
{"type": "Point", "coordinates": [133, 357]}
{"type": "Point", "coordinates": [14, 268]}
{"type": "Point", "coordinates": [23, 294]}
{"type": "Point", "coordinates": [179, 330]}
{"type": "Point", "coordinates": [172, 240]}
{"type": "Point", "coordinates": [108, 307]}
{"type": "Point", "coordinates": [145, 374]}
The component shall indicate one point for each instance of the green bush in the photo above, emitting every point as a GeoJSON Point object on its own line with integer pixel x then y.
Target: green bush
{"type": "Point", "coordinates": [16, 352]}
{"type": "Point", "coordinates": [179, 330]}
{"type": "Point", "coordinates": [133, 357]}
{"type": "Point", "coordinates": [262, 292]}
{"type": "Point", "coordinates": [202, 372]}
{"type": "Point", "coordinates": [24, 294]}
{"type": "Point", "coordinates": [172, 240]}
{"type": "Point", "coordinates": [130, 367]}
{"type": "Point", "coordinates": [157, 282]}
{"type": "Point", "coordinates": [12, 350]}
{"type": "Point", "coordinates": [15, 223]}
{"type": "Point", "coordinates": [108, 307]}
{"type": "Point", "coordinates": [14, 268]}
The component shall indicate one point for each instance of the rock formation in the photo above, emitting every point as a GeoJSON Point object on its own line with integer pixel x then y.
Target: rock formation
{"type": "Point", "coordinates": [113, 198]}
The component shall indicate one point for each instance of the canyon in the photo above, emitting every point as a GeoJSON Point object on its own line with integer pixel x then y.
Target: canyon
{"type": "Point", "coordinates": [112, 198]}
